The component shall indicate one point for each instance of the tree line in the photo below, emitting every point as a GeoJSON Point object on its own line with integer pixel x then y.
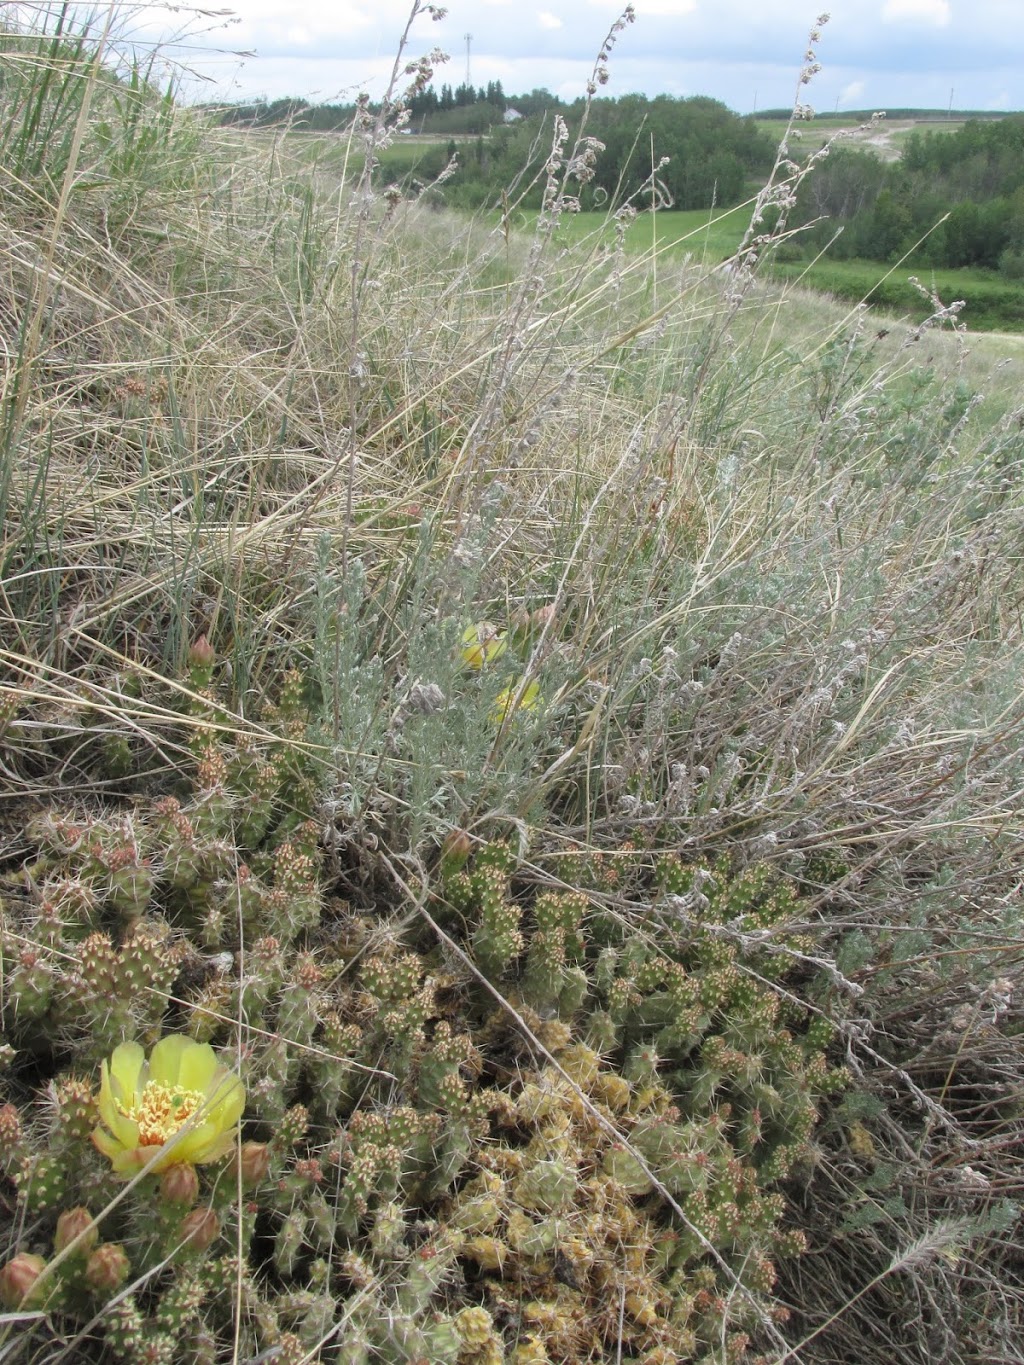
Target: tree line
{"type": "Point", "coordinates": [953, 200]}
{"type": "Point", "coordinates": [457, 110]}
{"type": "Point", "coordinates": [674, 153]}
{"type": "Point", "coordinates": [711, 156]}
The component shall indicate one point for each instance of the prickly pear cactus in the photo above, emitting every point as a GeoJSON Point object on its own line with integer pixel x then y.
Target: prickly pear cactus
{"type": "Point", "coordinates": [556, 1133]}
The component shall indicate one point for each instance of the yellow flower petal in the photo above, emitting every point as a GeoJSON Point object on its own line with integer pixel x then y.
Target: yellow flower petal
{"type": "Point", "coordinates": [198, 1067]}
{"type": "Point", "coordinates": [105, 1143]}
{"type": "Point", "coordinates": [113, 1101]}
{"type": "Point", "coordinates": [165, 1060]}
{"type": "Point", "coordinates": [182, 1107]}
{"type": "Point", "coordinates": [127, 1065]}
{"type": "Point", "coordinates": [228, 1100]}
{"type": "Point", "coordinates": [202, 1143]}
{"type": "Point", "coordinates": [481, 643]}
{"type": "Point", "coordinates": [505, 701]}
{"type": "Point", "coordinates": [129, 1161]}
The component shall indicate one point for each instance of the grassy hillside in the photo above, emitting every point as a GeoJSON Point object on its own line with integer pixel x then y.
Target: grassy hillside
{"type": "Point", "coordinates": [510, 755]}
{"type": "Point", "coordinates": [992, 302]}
{"type": "Point", "coordinates": [710, 238]}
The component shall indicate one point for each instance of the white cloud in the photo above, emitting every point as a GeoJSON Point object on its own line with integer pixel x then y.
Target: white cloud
{"type": "Point", "coordinates": [851, 93]}
{"type": "Point", "coordinates": [548, 20]}
{"type": "Point", "coordinates": [931, 11]}
{"type": "Point", "coordinates": [667, 9]}
{"type": "Point", "coordinates": [263, 24]}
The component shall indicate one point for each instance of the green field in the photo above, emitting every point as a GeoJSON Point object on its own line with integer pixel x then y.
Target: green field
{"type": "Point", "coordinates": [707, 234]}
{"type": "Point", "coordinates": [992, 303]}
{"type": "Point", "coordinates": [328, 153]}
{"type": "Point", "coordinates": [887, 138]}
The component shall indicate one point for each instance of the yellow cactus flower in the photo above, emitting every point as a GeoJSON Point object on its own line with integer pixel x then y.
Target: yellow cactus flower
{"type": "Point", "coordinates": [505, 701]}
{"type": "Point", "coordinates": [180, 1107]}
{"type": "Point", "coordinates": [482, 643]}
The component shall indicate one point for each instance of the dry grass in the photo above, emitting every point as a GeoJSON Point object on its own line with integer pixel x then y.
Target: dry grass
{"type": "Point", "coordinates": [327, 430]}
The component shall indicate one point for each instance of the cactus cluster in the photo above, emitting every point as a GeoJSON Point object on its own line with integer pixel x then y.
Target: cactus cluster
{"type": "Point", "coordinates": [551, 1136]}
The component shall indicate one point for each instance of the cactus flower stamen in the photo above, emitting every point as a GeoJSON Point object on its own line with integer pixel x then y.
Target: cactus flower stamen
{"type": "Point", "coordinates": [182, 1100]}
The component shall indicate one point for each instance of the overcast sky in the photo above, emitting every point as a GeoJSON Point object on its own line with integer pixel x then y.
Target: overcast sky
{"type": "Point", "coordinates": [876, 54]}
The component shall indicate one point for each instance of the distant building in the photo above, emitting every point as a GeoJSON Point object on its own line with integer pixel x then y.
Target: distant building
{"type": "Point", "coordinates": [511, 116]}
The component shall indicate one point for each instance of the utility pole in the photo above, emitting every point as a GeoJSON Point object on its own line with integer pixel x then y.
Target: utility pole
{"type": "Point", "coordinates": [469, 73]}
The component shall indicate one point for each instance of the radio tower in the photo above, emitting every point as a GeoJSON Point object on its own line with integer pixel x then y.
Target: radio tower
{"type": "Point", "coordinates": [469, 74]}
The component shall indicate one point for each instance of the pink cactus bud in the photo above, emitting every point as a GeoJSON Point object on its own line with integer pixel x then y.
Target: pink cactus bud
{"type": "Point", "coordinates": [254, 1159]}
{"type": "Point", "coordinates": [73, 1224]}
{"type": "Point", "coordinates": [180, 1184]}
{"type": "Point", "coordinates": [107, 1268]}
{"type": "Point", "coordinates": [201, 654]}
{"type": "Point", "coordinates": [18, 1278]}
{"type": "Point", "coordinates": [200, 1228]}
{"type": "Point", "coordinates": [455, 851]}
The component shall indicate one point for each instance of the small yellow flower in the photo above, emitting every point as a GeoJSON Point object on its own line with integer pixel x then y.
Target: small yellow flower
{"type": "Point", "coordinates": [183, 1099]}
{"type": "Point", "coordinates": [482, 643]}
{"type": "Point", "coordinates": [505, 701]}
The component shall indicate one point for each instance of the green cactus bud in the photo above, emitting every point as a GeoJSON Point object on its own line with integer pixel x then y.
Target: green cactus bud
{"type": "Point", "coordinates": [497, 941]}
{"type": "Point", "coordinates": [621, 1165]}
{"type": "Point", "coordinates": [497, 855]}
{"type": "Point", "coordinates": [41, 1182]}
{"type": "Point", "coordinates": [531, 1351]}
{"type": "Point", "coordinates": [75, 1102]}
{"type": "Point", "coordinates": [460, 892]}
{"type": "Point", "coordinates": [545, 968]}
{"type": "Point", "coordinates": [201, 658]}
{"type": "Point", "coordinates": [477, 1215]}
{"type": "Point", "coordinates": [355, 1349]}
{"type": "Point", "coordinates": [131, 880]}
{"type": "Point", "coordinates": [148, 965]}
{"type": "Point", "coordinates": [290, 1239]}
{"type": "Point", "coordinates": [602, 1032]}
{"type": "Point", "coordinates": [425, 1273]}
{"type": "Point", "coordinates": [528, 1237]}
{"type": "Point", "coordinates": [581, 1064]}
{"type": "Point", "coordinates": [97, 966]}
{"type": "Point", "coordinates": [12, 1150]}
{"type": "Point", "coordinates": [29, 986]}
{"type": "Point", "coordinates": [474, 1328]}
{"type": "Point", "coordinates": [574, 990]}
{"type": "Point", "coordinates": [124, 1327]}
{"type": "Point", "coordinates": [299, 1014]}
{"type": "Point", "coordinates": [441, 1342]}
{"type": "Point", "coordinates": [545, 1186]}
{"type": "Point", "coordinates": [291, 1129]}
{"type": "Point", "coordinates": [180, 1303]}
